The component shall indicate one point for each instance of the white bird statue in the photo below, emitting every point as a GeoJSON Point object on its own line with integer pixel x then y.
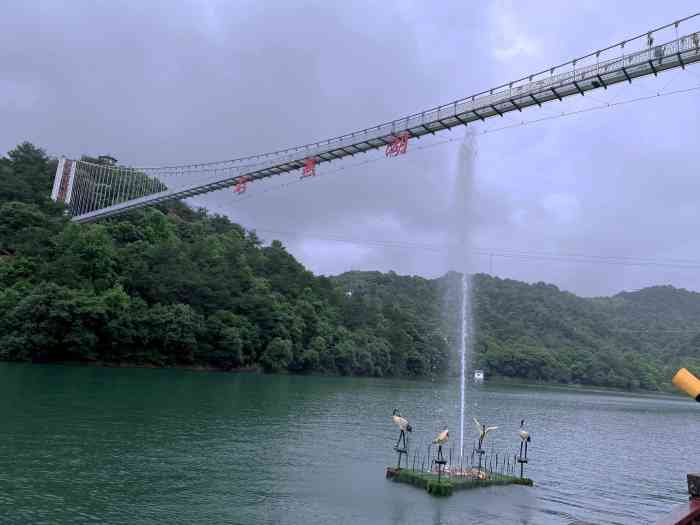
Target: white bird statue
{"type": "Point", "coordinates": [404, 426]}
{"type": "Point", "coordinates": [442, 437]}
{"type": "Point", "coordinates": [483, 431]}
{"type": "Point", "coordinates": [440, 460]}
{"type": "Point", "coordinates": [524, 438]}
{"type": "Point", "coordinates": [401, 422]}
{"type": "Point", "coordinates": [524, 434]}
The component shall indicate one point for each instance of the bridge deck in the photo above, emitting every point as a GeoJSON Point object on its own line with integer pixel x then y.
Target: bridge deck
{"type": "Point", "coordinates": [537, 89]}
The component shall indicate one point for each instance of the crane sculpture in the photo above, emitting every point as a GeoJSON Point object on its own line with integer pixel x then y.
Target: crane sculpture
{"type": "Point", "coordinates": [524, 440]}
{"type": "Point", "coordinates": [404, 426]}
{"type": "Point", "coordinates": [483, 432]}
{"type": "Point", "coordinates": [440, 440]}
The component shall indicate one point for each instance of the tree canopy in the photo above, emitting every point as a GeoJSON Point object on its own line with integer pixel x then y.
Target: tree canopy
{"type": "Point", "coordinates": [171, 285]}
{"type": "Point", "coordinates": [176, 286]}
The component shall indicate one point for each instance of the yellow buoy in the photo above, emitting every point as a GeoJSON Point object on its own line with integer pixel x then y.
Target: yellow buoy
{"type": "Point", "coordinates": [687, 382]}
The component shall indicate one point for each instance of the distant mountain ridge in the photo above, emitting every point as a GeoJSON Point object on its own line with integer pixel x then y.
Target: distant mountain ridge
{"type": "Point", "coordinates": [537, 331]}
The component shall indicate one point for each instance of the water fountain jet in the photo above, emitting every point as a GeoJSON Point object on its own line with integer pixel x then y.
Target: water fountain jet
{"type": "Point", "coordinates": [460, 260]}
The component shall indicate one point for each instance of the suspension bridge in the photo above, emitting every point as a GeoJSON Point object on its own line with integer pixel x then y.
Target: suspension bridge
{"type": "Point", "coordinates": [94, 189]}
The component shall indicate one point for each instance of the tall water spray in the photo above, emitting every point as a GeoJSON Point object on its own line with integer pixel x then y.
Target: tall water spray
{"type": "Point", "coordinates": [461, 260]}
{"type": "Point", "coordinates": [463, 361]}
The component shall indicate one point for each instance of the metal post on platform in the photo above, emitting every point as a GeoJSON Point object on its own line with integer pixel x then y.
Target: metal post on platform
{"type": "Point", "coordinates": [440, 461]}
{"type": "Point", "coordinates": [450, 461]}
{"type": "Point", "coordinates": [401, 448]}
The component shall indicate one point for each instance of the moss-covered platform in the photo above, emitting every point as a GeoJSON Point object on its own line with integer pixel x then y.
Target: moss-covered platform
{"type": "Point", "coordinates": [448, 484]}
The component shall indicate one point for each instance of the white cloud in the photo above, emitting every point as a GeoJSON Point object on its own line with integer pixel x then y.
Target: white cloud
{"type": "Point", "coordinates": [510, 39]}
{"type": "Point", "coordinates": [563, 208]}
{"type": "Point", "coordinates": [18, 95]}
{"type": "Point", "coordinates": [224, 78]}
{"type": "Point", "coordinates": [322, 256]}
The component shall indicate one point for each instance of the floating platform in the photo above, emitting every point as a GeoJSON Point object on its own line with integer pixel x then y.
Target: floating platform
{"type": "Point", "coordinates": [448, 483]}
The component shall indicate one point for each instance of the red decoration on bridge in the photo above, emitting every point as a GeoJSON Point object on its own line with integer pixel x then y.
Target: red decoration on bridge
{"type": "Point", "coordinates": [241, 184]}
{"type": "Point", "coordinates": [309, 169]}
{"type": "Point", "coordinates": [398, 145]}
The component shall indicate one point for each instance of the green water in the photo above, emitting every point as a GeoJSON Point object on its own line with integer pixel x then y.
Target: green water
{"type": "Point", "coordinates": [136, 446]}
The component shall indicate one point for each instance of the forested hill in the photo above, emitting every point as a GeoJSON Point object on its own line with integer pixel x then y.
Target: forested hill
{"type": "Point", "coordinates": [630, 340]}
{"type": "Point", "coordinates": [536, 331]}
{"type": "Point", "coordinates": [172, 286]}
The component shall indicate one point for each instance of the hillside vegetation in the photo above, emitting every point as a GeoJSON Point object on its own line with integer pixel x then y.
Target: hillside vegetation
{"type": "Point", "coordinates": [538, 332]}
{"type": "Point", "coordinates": [172, 286]}
{"type": "Point", "coordinates": [175, 286]}
{"type": "Point", "coordinates": [631, 340]}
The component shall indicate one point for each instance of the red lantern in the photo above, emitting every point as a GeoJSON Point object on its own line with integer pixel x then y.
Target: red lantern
{"type": "Point", "coordinates": [309, 169]}
{"type": "Point", "coordinates": [241, 183]}
{"type": "Point", "coordinates": [398, 145]}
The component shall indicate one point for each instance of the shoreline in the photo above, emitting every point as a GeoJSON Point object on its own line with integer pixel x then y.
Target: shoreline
{"type": "Point", "coordinates": [525, 383]}
{"type": "Point", "coordinates": [192, 368]}
{"type": "Point", "coordinates": [123, 364]}
{"type": "Point", "coordinates": [494, 381]}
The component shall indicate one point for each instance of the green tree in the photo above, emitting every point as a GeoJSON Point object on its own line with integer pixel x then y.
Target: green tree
{"type": "Point", "coordinates": [277, 355]}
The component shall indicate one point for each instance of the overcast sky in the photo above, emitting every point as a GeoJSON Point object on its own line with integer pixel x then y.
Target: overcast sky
{"type": "Point", "coordinates": [157, 83]}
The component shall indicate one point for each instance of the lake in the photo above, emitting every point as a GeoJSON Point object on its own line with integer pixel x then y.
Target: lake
{"type": "Point", "coordinates": [143, 446]}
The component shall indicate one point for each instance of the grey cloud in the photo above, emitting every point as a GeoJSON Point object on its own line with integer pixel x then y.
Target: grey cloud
{"type": "Point", "coordinates": [166, 83]}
